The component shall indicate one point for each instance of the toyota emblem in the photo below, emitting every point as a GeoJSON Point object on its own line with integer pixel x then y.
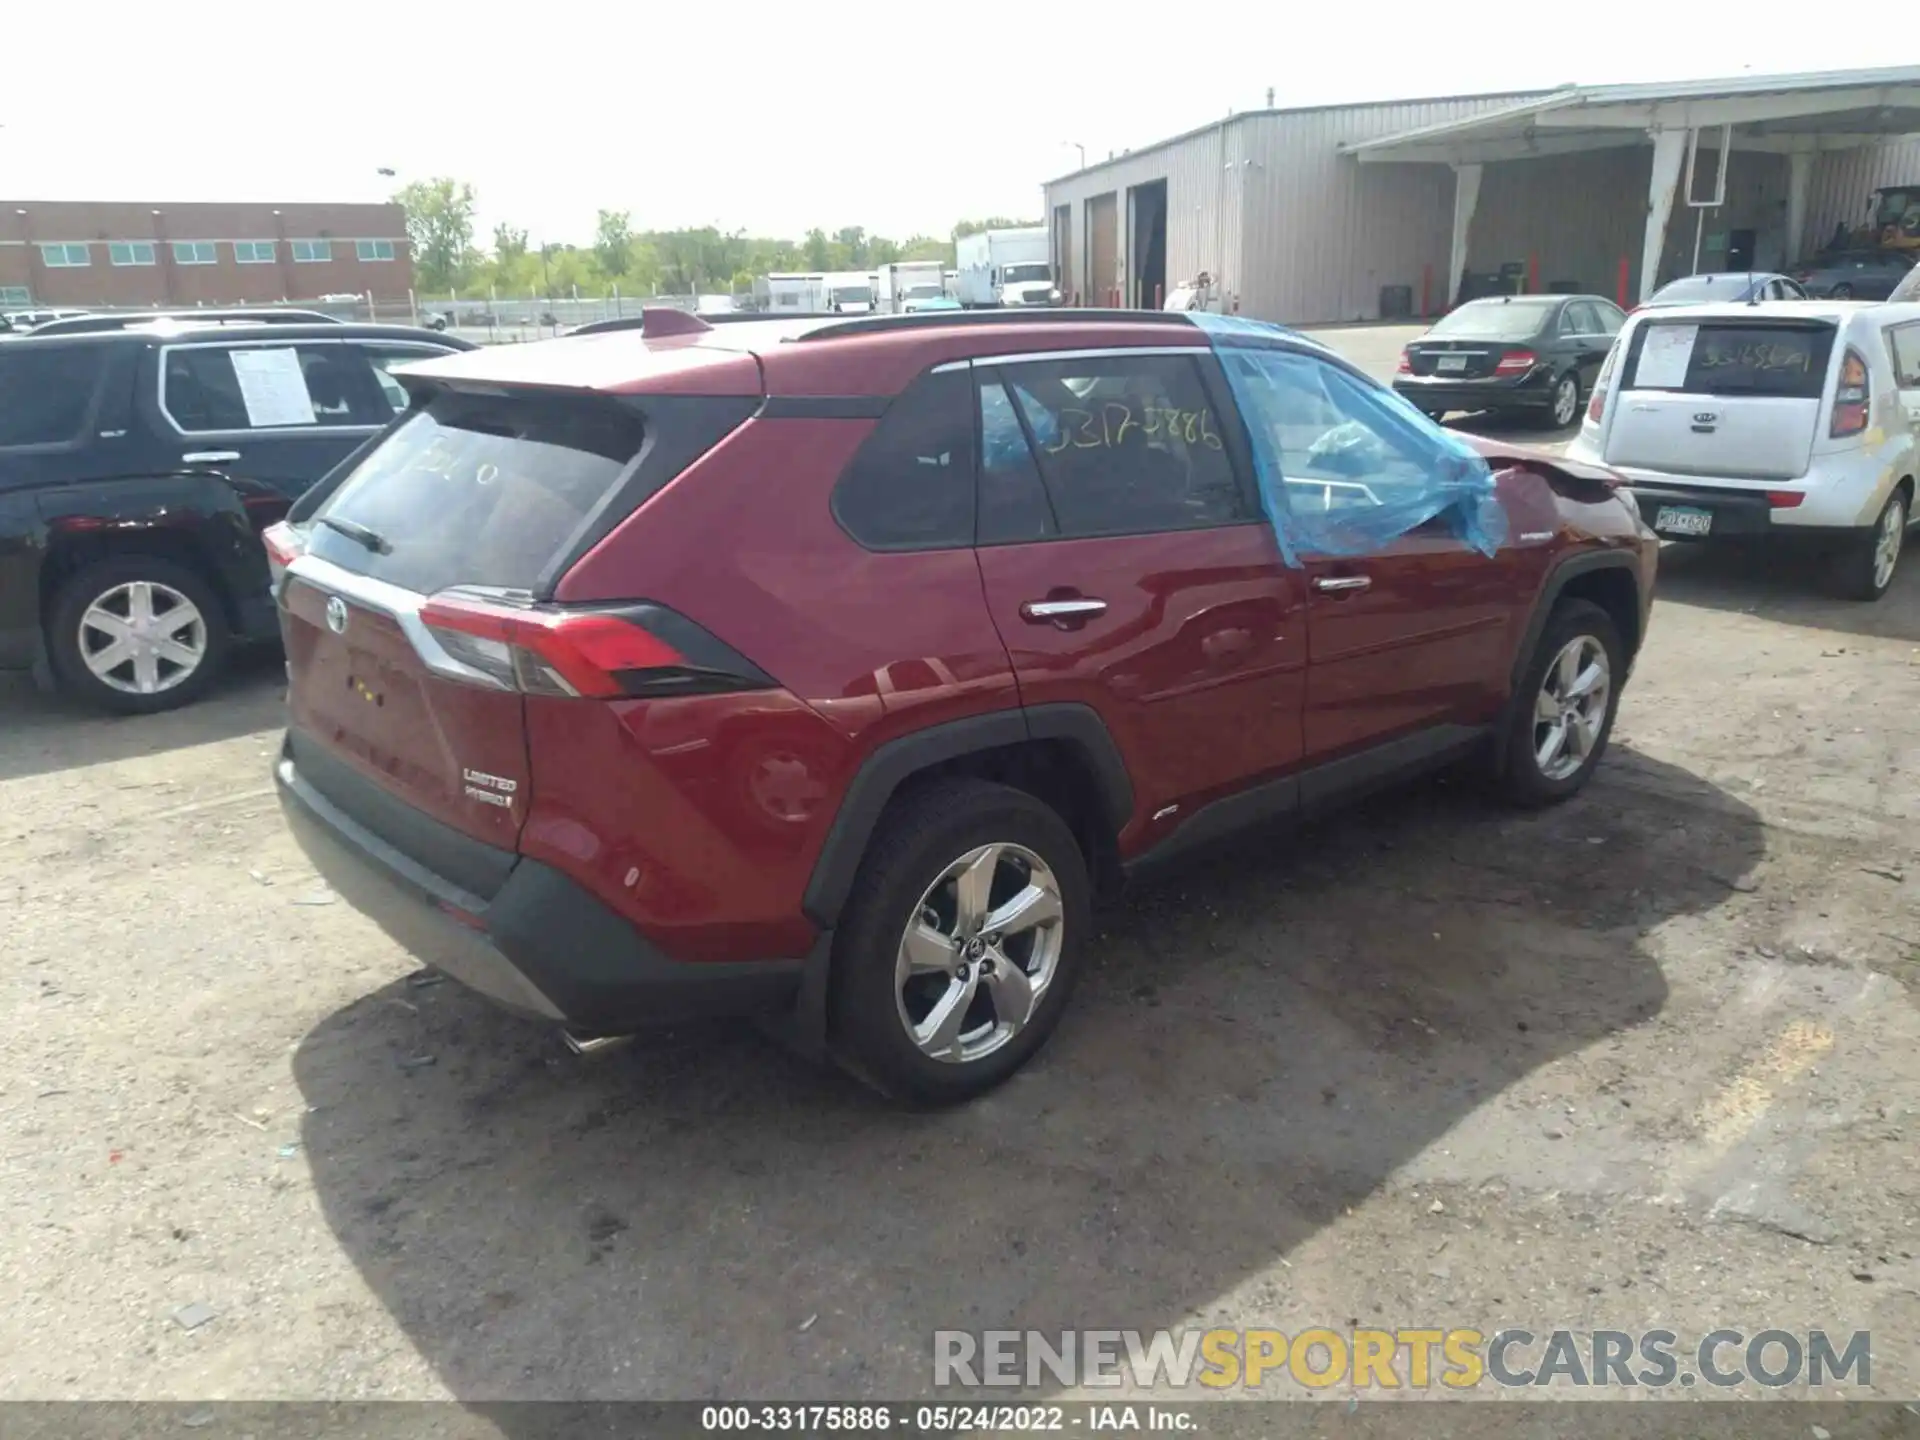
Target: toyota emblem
{"type": "Point", "coordinates": [337, 615]}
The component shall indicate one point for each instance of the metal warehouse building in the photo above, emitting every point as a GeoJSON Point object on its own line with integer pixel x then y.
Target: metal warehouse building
{"type": "Point", "coordinates": [1347, 212]}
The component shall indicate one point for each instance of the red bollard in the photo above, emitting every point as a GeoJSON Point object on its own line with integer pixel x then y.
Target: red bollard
{"type": "Point", "coordinates": [1426, 290]}
{"type": "Point", "coordinates": [1620, 288]}
{"type": "Point", "coordinates": [1159, 299]}
{"type": "Point", "coordinates": [1533, 274]}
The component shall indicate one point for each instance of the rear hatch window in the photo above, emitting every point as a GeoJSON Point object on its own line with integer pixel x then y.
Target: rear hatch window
{"type": "Point", "coordinates": [1785, 359]}
{"type": "Point", "coordinates": [475, 489]}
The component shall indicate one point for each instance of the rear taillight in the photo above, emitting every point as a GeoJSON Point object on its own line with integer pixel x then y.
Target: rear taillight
{"type": "Point", "coordinates": [636, 651]}
{"type": "Point", "coordinates": [1516, 362]}
{"type": "Point", "coordinates": [1851, 398]}
{"type": "Point", "coordinates": [1785, 499]}
{"type": "Point", "coordinates": [1405, 367]}
{"type": "Point", "coordinates": [284, 545]}
{"type": "Point", "coordinates": [1597, 406]}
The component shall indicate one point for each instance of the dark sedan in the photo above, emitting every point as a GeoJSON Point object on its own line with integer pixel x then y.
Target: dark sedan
{"type": "Point", "coordinates": [1854, 274]}
{"type": "Point", "coordinates": [1735, 287]}
{"type": "Point", "coordinates": [1534, 353]}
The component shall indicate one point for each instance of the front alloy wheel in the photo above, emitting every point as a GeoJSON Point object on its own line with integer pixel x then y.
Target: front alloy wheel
{"type": "Point", "coordinates": [1571, 708]}
{"type": "Point", "coordinates": [978, 955]}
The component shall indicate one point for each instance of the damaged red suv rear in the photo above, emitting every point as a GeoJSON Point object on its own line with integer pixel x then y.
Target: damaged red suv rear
{"type": "Point", "coordinates": [828, 670]}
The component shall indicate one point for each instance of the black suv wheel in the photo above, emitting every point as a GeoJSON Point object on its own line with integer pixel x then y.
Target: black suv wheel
{"type": "Point", "coordinates": [137, 634]}
{"type": "Point", "coordinates": [960, 946]}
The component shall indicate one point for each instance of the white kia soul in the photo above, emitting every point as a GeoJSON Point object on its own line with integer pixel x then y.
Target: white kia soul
{"type": "Point", "coordinates": [1791, 419]}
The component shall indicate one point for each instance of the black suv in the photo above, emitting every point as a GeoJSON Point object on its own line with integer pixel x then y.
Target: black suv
{"type": "Point", "coordinates": [137, 469]}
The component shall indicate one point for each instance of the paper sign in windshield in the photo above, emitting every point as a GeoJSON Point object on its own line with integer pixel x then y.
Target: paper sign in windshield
{"type": "Point", "coordinates": [1664, 357]}
{"type": "Point", "coordinates": [273, 387]}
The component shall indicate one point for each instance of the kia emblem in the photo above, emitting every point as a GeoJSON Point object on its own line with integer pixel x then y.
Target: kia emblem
{"type": "Point", "coordinates": [337, 615]}
{"type": "Point", "coordinates": [1705, 417]}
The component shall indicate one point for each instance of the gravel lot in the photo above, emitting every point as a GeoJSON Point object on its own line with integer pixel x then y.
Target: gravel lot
{"type": "Point", "coordinates": [1647, 1059]}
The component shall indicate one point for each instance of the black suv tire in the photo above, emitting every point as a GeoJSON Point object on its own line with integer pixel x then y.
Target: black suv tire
{"type": "Point", "coordinates": [926, 833]}
{"type": "Point", "coordinates": [103, 578]}
{"type": "Point", "coordinates": [1522, 779]}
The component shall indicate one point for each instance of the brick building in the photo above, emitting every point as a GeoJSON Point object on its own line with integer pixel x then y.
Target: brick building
{"type": "Point", "coordinates": [83, 253]}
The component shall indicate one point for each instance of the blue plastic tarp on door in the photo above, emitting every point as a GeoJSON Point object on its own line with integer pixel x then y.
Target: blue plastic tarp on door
{"type": "Point", "coordinates": [1346, 466]}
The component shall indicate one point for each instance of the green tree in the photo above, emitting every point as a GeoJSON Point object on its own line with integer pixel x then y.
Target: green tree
{"type": "Point", "coordinates": [509, 244]}
{"type": "Point", "coordinates": [819, 255]}
{"type": "Point", "coordinates": [996, 222]}
{"type": "Point", "coordinates": [613, 242]}
{"type": "Point", "coordinates": [852, 241]}
{"type": "Point", "coordinates": [439, 229]}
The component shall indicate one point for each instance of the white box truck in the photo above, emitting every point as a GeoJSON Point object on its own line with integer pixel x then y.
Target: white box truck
{"type": "Point", "coordinates": [792, 291]}
{"type": "Point", "coordinates": [849, 292]}
{"type": "Point", "coordinates": [1006, 267]}
{"type": "Point", "coordinates": [909, 285]}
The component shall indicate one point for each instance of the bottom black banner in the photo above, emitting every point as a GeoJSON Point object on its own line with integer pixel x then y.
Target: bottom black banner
{"type": "Point", "coordinates": [1256, 1420]}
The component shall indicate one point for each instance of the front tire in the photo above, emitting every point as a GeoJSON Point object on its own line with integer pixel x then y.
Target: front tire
{"type": "Point", "coordinates": [1865, 569]}
{"type": "Point", "coordinates": [137, 634]}
{"type": "Point", "coordinates": [1562, 711]}
{"type": "Point", "coordinates": [961, 941]}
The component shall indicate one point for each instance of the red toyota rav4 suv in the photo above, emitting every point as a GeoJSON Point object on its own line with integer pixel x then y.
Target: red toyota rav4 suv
{"type": "Point", "coordinates": [827, 670]}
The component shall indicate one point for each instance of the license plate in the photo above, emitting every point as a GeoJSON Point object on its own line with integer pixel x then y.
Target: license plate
{"type": "Point", "coordinates": [1680, 520]}
{"type": "Point", "coordinates": [1449, 364]}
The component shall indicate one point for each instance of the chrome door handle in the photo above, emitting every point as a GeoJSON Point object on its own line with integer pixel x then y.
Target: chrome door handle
{"type": "Point", "coordinates": [1342, 582]}
{"type": "Point", "coordinates": [1043, 610]}
{"type": "Point", "coordinates": [209, 457]}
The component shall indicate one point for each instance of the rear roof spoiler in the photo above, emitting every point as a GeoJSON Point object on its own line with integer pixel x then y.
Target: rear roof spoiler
{"type": "Point", "coordinates": [653, 322]}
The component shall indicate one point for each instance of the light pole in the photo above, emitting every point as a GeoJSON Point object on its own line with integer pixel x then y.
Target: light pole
{"type": "Point", "coordinates": [1081, 148]}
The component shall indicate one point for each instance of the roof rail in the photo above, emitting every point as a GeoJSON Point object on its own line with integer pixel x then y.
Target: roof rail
{"type": "Point", "coordinates": [939, 319]}
{"type": "Point", "coordinates": [99, 324]}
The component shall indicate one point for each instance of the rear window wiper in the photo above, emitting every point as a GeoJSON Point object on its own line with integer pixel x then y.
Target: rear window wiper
{"type": "Point", "coordinates": [358, 533]}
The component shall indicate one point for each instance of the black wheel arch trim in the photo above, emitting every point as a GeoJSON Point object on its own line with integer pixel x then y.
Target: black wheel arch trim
{"type": "Point", "coordinates": [896, 762]}
{"type": "Point", "coordinates": [1583, 563]}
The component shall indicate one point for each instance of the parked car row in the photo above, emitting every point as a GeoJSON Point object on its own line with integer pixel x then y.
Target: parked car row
{"type": "Point", "coordinates": [140, 459]}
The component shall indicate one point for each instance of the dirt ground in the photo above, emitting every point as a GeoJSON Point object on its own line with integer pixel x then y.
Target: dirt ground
{"type": "Point", "coordinates": [1648, 1059]}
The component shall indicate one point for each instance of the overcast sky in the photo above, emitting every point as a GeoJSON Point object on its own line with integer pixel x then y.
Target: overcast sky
{"type": "Point", "coordinates": [899, 117]}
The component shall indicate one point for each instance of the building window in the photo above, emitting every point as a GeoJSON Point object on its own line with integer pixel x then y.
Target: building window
{"type": "Point", "coordinates": [58, 257]}
{"type": "Point", "coordinates": [193, 252]}
{"type": "Point", "coordinates": [15, 295]}
{"type": "Point", "coordinates": [131, 252]}
{"type": "Point", "coordinates": [306, 251]}
{"type": "Point", "coordinates": [373, 249]}
{"type": "Point", "coordinates": [253, 252]}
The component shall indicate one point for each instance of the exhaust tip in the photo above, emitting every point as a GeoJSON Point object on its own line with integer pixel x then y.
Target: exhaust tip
{"type": "Point", "coordinates": [594, 1044]}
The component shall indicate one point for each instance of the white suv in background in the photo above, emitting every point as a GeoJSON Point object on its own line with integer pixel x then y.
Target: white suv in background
{"type": "Point", "coordinates": [1783, 420]}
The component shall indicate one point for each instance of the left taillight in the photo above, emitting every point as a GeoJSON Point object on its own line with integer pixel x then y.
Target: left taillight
{"type": "Point", "coordinates": [1852, 400]}
{"type": "Point", "coordinates": [637, 651]}
{"type": "Point", "coordinates": [1597, 406]}
{"type": "Point", "coordinates": [284, 545]}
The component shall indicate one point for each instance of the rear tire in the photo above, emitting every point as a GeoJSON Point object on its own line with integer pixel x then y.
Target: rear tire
{"type": "Point", "coordinates": [1555, 697]}
{"type": "Point", "coordinates": [1564, 409]}
{"type": "Point", "coordinates": [897, 968]}
{"type": "Point", "coordinates": [1842, 291]}
{"type": "Point", "coordinates": [1865, 568]}
{"type": "Point", "coordinates": [178, 652]}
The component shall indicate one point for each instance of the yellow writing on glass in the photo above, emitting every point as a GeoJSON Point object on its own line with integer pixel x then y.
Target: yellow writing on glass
{"type": "Point", "coordinates": [1116, 425]}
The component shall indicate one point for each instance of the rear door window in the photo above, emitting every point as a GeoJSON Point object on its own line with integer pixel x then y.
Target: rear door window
{"type": "Point", "coordinates": [231, 388]}
{"type": "Point", "coordinates": [1783, 360]}
{"type": "Point", "coordinates": [479, 490]}
{"type": "Point", "coordinates": [1903, 345]}
{"type": "Point", "coordinates": [46, 394]}
{"type": "Point", "coordinates": [1127, 444]}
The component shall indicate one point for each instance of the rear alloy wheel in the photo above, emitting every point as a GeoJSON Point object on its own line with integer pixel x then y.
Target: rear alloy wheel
{"type": "Point", "coordinates": [1865, 568]}
{"type": "Point", "coordinates": [1842, 291]}
{"type": "Point", "coordinates": [1566, 401]}
{"type": "Point", "coordinates": [1562, 712]}
{"type": "Point", "coordinates": [959, 943]}
{"type": "Point", "coordinates": [137, 634]}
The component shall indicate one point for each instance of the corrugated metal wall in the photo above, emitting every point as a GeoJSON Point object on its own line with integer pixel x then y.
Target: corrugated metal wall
{"type": "Point", "coordinates": [1306, 235]}
{"type": "Point", "coordinates": [1324, 233]}
{"type": "Point", "coordinates": [1197, 187]}
{"type": "Point", "coordinates": [1844, 180]}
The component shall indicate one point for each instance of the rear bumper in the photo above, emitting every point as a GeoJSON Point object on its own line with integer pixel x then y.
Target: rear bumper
{"type": "Point", "coordinates": [1531, 391]}
{"type": "Point", "coordinates": [541, 945]}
